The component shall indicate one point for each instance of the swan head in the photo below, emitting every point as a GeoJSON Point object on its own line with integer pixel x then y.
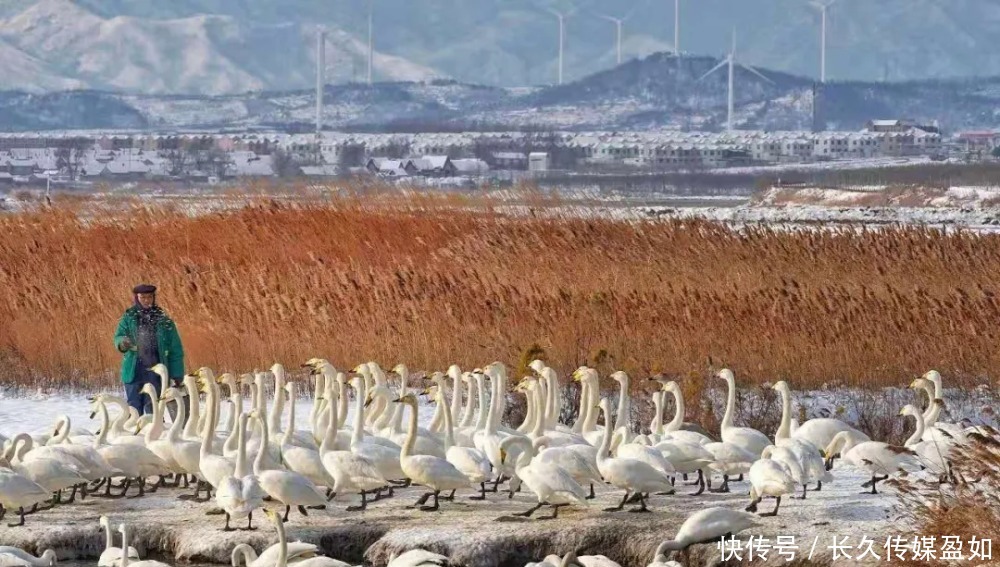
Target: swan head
{"type": "Point", "coordinates": [727, 375]}
{"type": "Point", "coordinates": [160, 369]}
{"type": "Point", "coordinates": [932, 375]}
{"type": "Point", "coordinates": [148, 389]}
{"type": "Point", "coordinates": [104, 521]}
{"type": "Point", "coordinates": [437, 378]}
{"type": "Point", "coordinates": [536, 365]}
{"type": "Point", "coordinates": [206, 373]}
{"type": "Point", "coordinates": [766, 453]}
{"type": "Point", "coordinates": [620, 377]}
{"type": "Point", "coordinates": [313, 363]}
{"type": "Point", "coordinates": [274, 517]}
{"type": "Point", "coordinates": [408, 399]}
{"type": "Point", "coordinates": [401, 370]}
{"type": "Point", "coordinates": [431, 392]}
{"type": "Point", "coordinates": [454, 372]}
{"type": "Point", "coordinates": [579, 374]}
{"type": "Point", "coordinates": [49, 556]}
{"type": "Point", "coordinates": [909, 409]}
{"type": "Point", "coordinates": [278, 370]}
{"type": "Point", "coordinates": [781, 386]}
{"type": "Point", "coordinates": [569, 560]}
{"type": "Point", "coordinates": [290, 388]}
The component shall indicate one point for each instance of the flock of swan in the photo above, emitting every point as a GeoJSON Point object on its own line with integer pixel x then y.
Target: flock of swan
{"type": "Point", "coordinates": [257, 458]}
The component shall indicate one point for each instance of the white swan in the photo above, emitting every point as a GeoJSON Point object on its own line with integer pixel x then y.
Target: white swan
{"type": "Point", "coordinates": [298, 458]}
{"type": "Point", "coordinates": [350, 471]}
{"type": "Point", "coordinates": [213, 467]}
{"type": "Point", "coordinates": [875, 457]}
{"type": "Point", "coordinates": [729, 460]}
{"type": "Point", "coordinates": [134, 461]}
{"type": "Point", "coordinates": [932, 454]}
{"type": "Point", "coordinates": [706, 527]}
{"type": "Point", "coordinates": [748, 439]}
{"type": "Point", "coordinates": [16, 557]}
{"type": "Point", "coordinates": [287, 487]}
{"type": "Point", "coordinates": [245, 556]}
{"type": "Point", "coordinates": [417, 558]}
{"type": "Point", "coordinates": [674, 430]}
{"type": "Point", "coordinates": [282, 559]}
{"type": "Point", "coordinates": [124, 560]}
{"type": "Point", "coordinates": [433, 472]}
{"type": "Point", "coordinates": [628, 474]}
{"type": "Point", "coordinates": [769, 477]}
{"type": "Point", "coordinates": [552, 485]}
{"type": "Point", "coordinates": [240, 494]}
{"type": "Point", "coordinates": [472, 462]}
{"type": "Point", "coordinates": [809, 456]}
{"type": "Point", "coordinates": [111, 554]}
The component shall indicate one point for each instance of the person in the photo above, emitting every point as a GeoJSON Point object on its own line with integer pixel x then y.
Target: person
{"type": "Point", "coordinates": [146, 336]}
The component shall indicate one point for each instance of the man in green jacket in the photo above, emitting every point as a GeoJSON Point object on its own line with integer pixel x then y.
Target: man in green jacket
{"type": "Point", "coordinates": [146, 336]}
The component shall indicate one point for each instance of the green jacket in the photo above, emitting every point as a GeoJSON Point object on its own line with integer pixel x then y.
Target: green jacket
{"type": "Point", "coordinates": [168, 343]}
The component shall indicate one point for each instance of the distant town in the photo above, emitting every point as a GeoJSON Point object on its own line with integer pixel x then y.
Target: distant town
{"type": "Point", "coordinates": [82, 158]}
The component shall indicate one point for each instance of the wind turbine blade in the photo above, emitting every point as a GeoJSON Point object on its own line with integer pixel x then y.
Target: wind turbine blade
{"type": "Point", "coordinates": [608, 18]}
{"type": "Point", "coordinates": [633, 10]}
{"type": "Point", "coordinates": [554, 13]}
{"type": "Point", "coordinates": [722, 64]}
{"type": "Point", "coordinates": [756, 72]}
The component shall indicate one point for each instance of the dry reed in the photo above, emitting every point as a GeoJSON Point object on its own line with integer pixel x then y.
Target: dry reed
{"type": "Point", "coordinates": [438, 280]}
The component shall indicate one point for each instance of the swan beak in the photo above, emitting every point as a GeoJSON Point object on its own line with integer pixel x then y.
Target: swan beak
{"type": "Point", "coordinates": [397, 400]}
{"type": "Point", "coordinates": [503, 455]}
{"type": "Point", "coordinates": [369, 401]}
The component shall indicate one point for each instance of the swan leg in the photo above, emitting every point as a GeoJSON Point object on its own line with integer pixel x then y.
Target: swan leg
{"type": "Point", "coordinates": [753, 505]}
{"type": "Point", "coordinates": [3, 511]}
{"type": "Point", "coordinates": [197, 492]}
{"type": "Point", "coordinates": [555, 512]}
{"type": "Point", "coordinates": [722, 489]}
{"type": "Point", "coordinates": [482, 493]}
{"type": "Point", "coordinates": [250, 527]}
{"type": "Point", "coordinates": [364, 503]}
{"type": "Point", "coordinates": [227, 528]}
{"type": "Point", "coordinates": [529, 512]}
{"type": "Point", "coordinates": [700, 483]}
{"type": "Point", "coordinates": [287, 510]}
{"type": "Point", "coordinates": [498, 482]}
{"type": "Point", "coordinates": [422, 500]}
{"type": "Point", "coordinates": [773, 512]}
{"type": "Point", "coordinates": [98, 484]}
{"type": "Point", "coordinates": [803, 497]}
{"type": "Point", "coordinates": [592, 495]}
{"type": "Point", "coordinates": [20, 523]}
{"type": "Point", "coordinates": [739, 478]}
{"type": "Point", "coordinates": [302, 510]}
{"type": "Point", "coordinates": [127, 483]}
{"type": "Point", "coordinates": [57, 497]}
{"type": "Point", "coordinates": [642, 504]}
{"type": "Point", "coordinates": [320, 507]}
{"type": "Point", "coordinates": [450, 497]}
{"type": "Point", "coordinates": [634, 499]}
{"type": "Point", "coordinates": [142, 489]}
{"type": "Point", "coordinates": [620, 504]}
{"type": "Point", "coordinates": [819, 486]}
{"type": "Point", "coordinates": [434, 506]}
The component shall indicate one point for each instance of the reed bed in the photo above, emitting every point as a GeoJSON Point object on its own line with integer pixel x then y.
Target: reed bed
{"type": "Point", "coordinates": [437, 280]}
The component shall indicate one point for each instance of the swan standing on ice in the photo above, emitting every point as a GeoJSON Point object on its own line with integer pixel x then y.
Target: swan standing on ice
{"type": "Point", "coordinates": [111, 554]}
{"type": "Point", "coordinates": [748, 439]}
{"type": "Point", "coordinates": [629, 474]}
{"type": "Point", "coordinates": [705, 527]}
{"type": "Point", "coordinates": [552, 486]}
{"type": "Point", "coordinates": [875, 457]}
{"type": "Point", "coordinates": [240, 494]}
{"type": "Point", "coordinates": [472, 462]}
{"type": "Point", "coordinates": [287, 487]}
{"type": "Point", "coordinates": [433, 472]}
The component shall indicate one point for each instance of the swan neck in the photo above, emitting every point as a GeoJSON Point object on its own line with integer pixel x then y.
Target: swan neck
{"type": "Point", "coordinates": [539, 403]}
{"type": "Point", "coordinates": [624, 405]}
{"type": "Point", "coordinates": [240, 470]}
{"type": "Point", "coordinates": [359, 414]}
{"type": "Point", "coordinates": [491, 417]}
{"type": "Point", "coordinates": [456, 396]}
{"type": "Point", "coordinates": [593, 398]}
{"type": "Point", "coordinates": [124, 559]}
{"type": "Point", "coordinates": [279, 401]}
{"type": "Point", "coordinates": [210, 421]}
{"type": "Point", "coordinates": [108, 542]}
{"type": "Point", "coordinates": [449, 427]}
{"type": "Point", "coordinates": [470, 406]}
{"type": "Point", "coordinates": [656, 426]}
{"type": "Point", "coordinates": [102, 438]}
{"type": "Point", "coordinates": [786, 416]}
{"type": "Point", "coordinates": [282, 545]}
{"type": "Point", "coordinates": [191, 430]}
{"type": "Point", "coordinates": [602, 452]}
{"type": "Point", "coordinates": [727, 419]}
{"type": "Point", "coordinates": [291, 418]}
{"type": "Point", "coordinates": [919, 432]}
{"type": "Point", "coordinates": [265, 442]}
{"type": "Point", "coordinates": [411, 434]}
{"type": "Point", "coordinates": [481, 388]}
{"type": "Point", "coordinates": [342, 401]}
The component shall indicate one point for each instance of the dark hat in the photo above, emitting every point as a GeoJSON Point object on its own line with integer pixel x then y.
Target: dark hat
{"type": "Point", "coordinates": [144, 288]}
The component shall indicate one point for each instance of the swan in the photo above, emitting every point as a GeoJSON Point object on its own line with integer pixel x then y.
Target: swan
{"type": "Point", "coordinates": [385, 459]}
{"type": "Point", "coordinates": [809, 456]}
{"type": "Point", "coordinates": [631, 475]}
{"type": "Point", "coordinates": [427, 442]}
{"type": "Point", "coordinates": [16, 557]}
{"type": "Point", "coordinates": [52, 474]}
{"type": "Point", "coordinates": [282, 559]}
{"type": "Point", "coordinates": [349, 470]}
{"type": "Point", "coordinates": [629, 450]}
{"type": "Point", "coordinates": [455, 373]}
{"type": "Point", "coordinates": [706, 526]}
{"type": "Point", "coordinates": [729, 460]}
{"type": "Point", "coordinates": [582, 468]}
{"type": "Point", "coordinates": [748, 439]}
{"type": "Point", "coordinates": [133, 461]}
{"type": "Point", "coordinates": [417, 558]}
{"type": "Point", "coordinates": [433, 472]}
{"type": "Point", "coordinates": [124, 561]}
{"type": "Point", "coordinates": [552, 485]}
{"type": "Point", "coordinates": [287, 487]}
{"type": "Point", "coordinates": [874, 457]}
{"type": "Point", "coordinates": [590, 392]}
{"type": "Point", "coordinates": [84, 458]}
{"type": "Point", "coordinates": [239, 494]}
{"type": "Point", "coordinates": [296, 550]}
{"type": "Point", "coordinates": [162, 448]}
{"type": "Point", "coordinates": [298, 458]}
{"type": "Point", "coordinates": [932, 454]}
{"type": "Point", "coordinates": [111, 554]}
{"type": "Point", "coordinates": [676, 428]}
{"type": "Point", "coordinates": [935, 430]}
{"type": "Point", "coordinates": [278, 408]}
{"type": "Point", "coordinates": [818, 431]}
{"type": "Point", "coordinates": [769, 477]}
{"type": "Point", "coordinates": [472, 462]}
{"type": "Point", "coordinates": [212, 466]}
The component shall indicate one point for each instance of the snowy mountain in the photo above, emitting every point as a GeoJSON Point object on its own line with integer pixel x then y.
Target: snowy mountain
{"type": "Point", "coordinates": [653, 93]}
{"type": "Point", "coordinates": [64, 45]}
{"type": "Point", "coordinates": [225, 46]}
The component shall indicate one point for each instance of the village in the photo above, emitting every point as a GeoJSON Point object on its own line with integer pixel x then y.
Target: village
{"type": "Point", "coordinates": [81, 158]}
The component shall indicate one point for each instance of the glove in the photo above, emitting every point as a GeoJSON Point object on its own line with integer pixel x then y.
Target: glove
{"type": "Point", "coordinates": [125, 345]}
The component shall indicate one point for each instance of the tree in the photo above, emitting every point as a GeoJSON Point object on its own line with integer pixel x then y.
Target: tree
{"type": "Point", "coordinates": [69, 155]}
{"type": "Point", "coordinates": [284, 165]}
{"type": "Point", "coordinates": [996, 152]}
{"type": "Point", "coordinates": [351, 155]}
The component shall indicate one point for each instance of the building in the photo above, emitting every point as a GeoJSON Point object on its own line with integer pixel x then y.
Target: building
{"type": "Point", "coordinates": [538, 161]}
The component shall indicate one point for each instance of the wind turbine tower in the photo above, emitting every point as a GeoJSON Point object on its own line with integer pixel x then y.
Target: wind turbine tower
{"type": "Point", "coordinates": [371, 35]}
{"type": "Point", "coordinates": [320, 78]}
{"type": "Point", "coordinates": [677, 28]}
{"type": "Point", "coordinates": [618, 35]}
{"type": "Point", "coordinates": [731, 62]}
{"type": "Point", "coordinates": [823, 7]}
{"type": "Point", "coordinates": [561, 16]}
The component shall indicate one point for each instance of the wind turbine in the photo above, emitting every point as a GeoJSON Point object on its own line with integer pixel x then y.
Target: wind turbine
{"type": "Point", "coordinates": [561, 16]}
{"type": "Point", "coordinates": [823, 7]}
{"type": "Point", "coordinates": [677, 28]}
{"type": "Point", "coordinates": [618, 29]}
{"type": "Point", "coordinates": [371, 40]}
{"type": "Point", "coordinates": [320, 77]}
{"type": "Point", "coordinates": [730, 60]}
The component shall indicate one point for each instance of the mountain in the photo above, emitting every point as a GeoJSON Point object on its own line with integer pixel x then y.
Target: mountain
{"type": "Point", "coordinates": [66, 45]}
{"type": "Point", "coordinates": [225, 46]}
{"type": "Point", "coordinates": [656, 92]}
